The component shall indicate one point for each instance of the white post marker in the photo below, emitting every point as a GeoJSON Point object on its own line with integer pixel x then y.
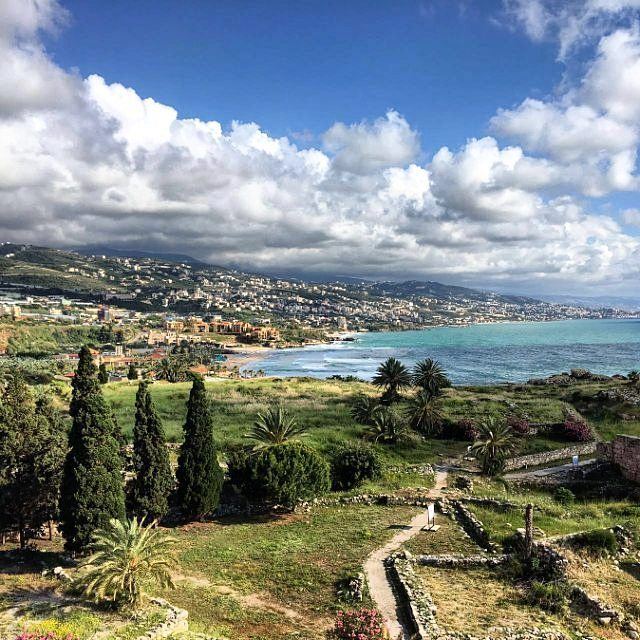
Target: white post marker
{"type": "Point", "coordinates": [431, 519]}
{"type": "Point", "coordinates": [576, 461]}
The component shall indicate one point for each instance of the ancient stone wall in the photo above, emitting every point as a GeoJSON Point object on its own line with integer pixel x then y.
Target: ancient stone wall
{"type": "Point", "coordinates": [624, 452]}
{"type": "Point", "coordinates": [537, 459]}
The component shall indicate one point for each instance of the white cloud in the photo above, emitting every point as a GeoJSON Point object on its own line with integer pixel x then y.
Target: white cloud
{"type": "Point", "coordinates": [84, 161]}
{"type": "Point", "coordinates": [631, 216]}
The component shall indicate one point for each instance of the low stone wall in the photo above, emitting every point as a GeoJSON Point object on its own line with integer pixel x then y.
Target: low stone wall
{"type": "Point", "coordinates": [460, 562]}
{"type": "Point", "coordinates": [176, 621]}
{"type": "Point", "coordinates": [474, 528]}
{"type": "Point", "coordinates": [417, 603]}
{"type": "Point", "coordinates": [537, 459]}
{"type": "Point", "coordinates": [593, 607]}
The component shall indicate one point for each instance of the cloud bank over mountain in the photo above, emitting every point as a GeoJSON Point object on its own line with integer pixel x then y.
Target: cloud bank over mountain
{"type": "Point", "coordinates": [83, 161]}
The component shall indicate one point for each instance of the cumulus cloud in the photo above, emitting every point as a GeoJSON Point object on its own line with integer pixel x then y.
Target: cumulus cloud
{"type": "Point", "coordinates": [82, 160]}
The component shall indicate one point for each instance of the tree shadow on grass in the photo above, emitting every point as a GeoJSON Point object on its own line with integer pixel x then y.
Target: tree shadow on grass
{"type": "Point", "coordinates": [15, 562]}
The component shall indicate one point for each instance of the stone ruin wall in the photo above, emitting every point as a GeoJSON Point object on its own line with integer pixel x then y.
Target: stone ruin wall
{"type": "Point", "coordinates": [624, 453]}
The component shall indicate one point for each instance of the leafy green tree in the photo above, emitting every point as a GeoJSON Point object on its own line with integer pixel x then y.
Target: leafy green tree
{"type": "Point", "coordinates": [92, 485]}
{"type": "Point", "coordinates": [152, 483]}
{"type": "Point", "coordinates": [32, 449]}
{"type": "Point", "coordinates": [393, 376]}
{"type": "Point", "coordinates": [132, 373]}
{"type": "Point", "coordinates": [103, 374]}
{"type": "Point", "coordinates": [275, 426]}
{"type": "Point", "coordinates": [354, 463]}
{"type": "Point", "coordinates": [199, 474]}
{"type": "Point", "coordinates": [425, 414]}
{"type": "Point", "coordinates": [282, 474]}
{"type": "Point", "coordinates": [494, 444]}
{"type": "Point", "coordinates": [125, 556]}
{"type": "Point", "coordinates": [429, 375]}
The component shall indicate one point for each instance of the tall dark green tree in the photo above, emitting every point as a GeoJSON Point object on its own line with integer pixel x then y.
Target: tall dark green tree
{"type": "Point", "coordinates": [32, 449]}
{"type": "Point", "coordinates": [199, 474]}
{"type": "Point", "coordinates": [132, 373]}
{"type": "Point", "coordinates": [92, 486]}
{"type": "Point", "coordinates": [103, 374]}
{"type": "Point", "coordinates": [150, 488]}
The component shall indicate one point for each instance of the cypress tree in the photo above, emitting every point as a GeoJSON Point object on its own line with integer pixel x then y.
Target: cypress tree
{"type": "Point", "coordinates": [199, 474]}
{"type": "Point", "coordinates": [92, 487]}
{"type": "Point", "coordinates": [32, 448]}
{"type": "Point", "coordinates": [132, 373]}
{"type": "Point", "coordinates": [149, 490]}
{"type": "Point", "coordinates": [103, 374]}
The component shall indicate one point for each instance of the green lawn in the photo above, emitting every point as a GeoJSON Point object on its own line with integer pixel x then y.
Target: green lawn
{"type": "Point", "coordinates": [265, 578]}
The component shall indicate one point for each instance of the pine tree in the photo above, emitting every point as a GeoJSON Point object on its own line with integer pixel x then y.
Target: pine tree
{"type": "Point", "coordinates": [32, 448]}
{"type": "Point", "coordinates": [92, 487]}
{"type": "Point", "coordinates": [150, 488]}
{"type": "Point", "coordinates": [103, 374]}
{"type": "Point", "coordinates": [199, 474]}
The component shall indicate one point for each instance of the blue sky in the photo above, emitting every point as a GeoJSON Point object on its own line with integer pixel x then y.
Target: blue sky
{"type": "Point", "coordinates": [301, 66]}
{"type": "Point", "coordinates": [490, 143]}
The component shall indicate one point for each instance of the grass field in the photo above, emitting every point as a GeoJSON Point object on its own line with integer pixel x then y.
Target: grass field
{"type": "Point", "coordinates": [324, 407]}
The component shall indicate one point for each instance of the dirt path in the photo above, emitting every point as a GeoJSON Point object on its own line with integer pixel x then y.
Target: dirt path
{"type": "Point", "coordinates": [374, 568]}
{"type": "Point", "coordinates": [547, 471]}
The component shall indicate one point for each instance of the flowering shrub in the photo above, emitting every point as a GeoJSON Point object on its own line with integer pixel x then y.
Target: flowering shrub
{"type": "Point", "coordinates": [48, 635]}
{"type": "Point", "coordinates": [519, 426]}
{"type": "Point", "coordinates": [466, 429]}
{"type": "Point", "coordinates": [361, 624]}
{"type": "Point", "coordinates": [576, 431]}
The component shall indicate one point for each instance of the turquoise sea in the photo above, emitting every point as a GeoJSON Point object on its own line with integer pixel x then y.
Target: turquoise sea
{"type": "Point", "coordinates": [478, 354]}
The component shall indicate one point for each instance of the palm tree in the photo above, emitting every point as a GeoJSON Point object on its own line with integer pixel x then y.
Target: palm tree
{"type": "Point", "coordinates": [494, 444]}
{"type": "Point", "coordinates": [393, 376]}
{"type": "Point", "coordinates": [364, 408]}
{"type": "Point", "coordinates": [634, 377]}
{"type": "Point", "coordinates": [126, 555]}
{"type": "Point", "coordinates": [425, 414]}
{"type": "Point", "coordinates": [429, 375]}
{"type": "Point", "coordinates": [386, 427]}
{"type": "Point", "coordinates": [275, 426]}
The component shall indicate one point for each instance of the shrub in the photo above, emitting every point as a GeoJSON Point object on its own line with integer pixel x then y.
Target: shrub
{"type": "Point", "coordinates": [564, 496]}
{"type": "Point", "coordinates": [361, 624]}
{"type": "Point", "coordinates": [519, 426]}
{"type": "Point", "coordinates": [352, 464]}
{"type": "Point", "coordinates": [598, 542]}
{"type": "Point", "coordinates": [464, 483]}
{"type": "Point", "coordinates": [575, 430]}
{"type": "Point", "coordinates": [550, 596]}
{"type": "Point", "coordinates": [466, 429]}
{"type": "Point", "coordinates": [284, 473]}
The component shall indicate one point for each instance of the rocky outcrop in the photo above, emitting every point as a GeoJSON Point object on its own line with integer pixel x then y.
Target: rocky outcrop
{"type": "Point", "coordinates": [176, 621]}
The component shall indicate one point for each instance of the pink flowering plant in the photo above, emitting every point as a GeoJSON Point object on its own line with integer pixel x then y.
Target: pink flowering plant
{"type": "Point", "coordinates": [360, 624]}
{"type": "Point", "coordinates": [48, 635]}
{"type": "Point", "coordinates": [576, 431]}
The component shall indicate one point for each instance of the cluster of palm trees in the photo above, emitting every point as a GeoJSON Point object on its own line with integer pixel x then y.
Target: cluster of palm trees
{"type": "Point", "coordinates": [387, 424]}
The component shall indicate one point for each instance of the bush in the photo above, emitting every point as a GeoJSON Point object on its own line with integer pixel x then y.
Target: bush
{"type": "Point", "coordinates": [575, 430]}
{"type": "Point", "coordinates": [464, 483]}
{"type": "Point", "coordinates": [361, 624]}
{"type": "Point", "coordinates": [564, 496]}
{"type": "Point", "coordinates": [519, 426]}
{"type": "Point", "coordinates": [466, 429]}
{"type": "Point", "coordinates": [550, 596]}
{"type": "Point", "coordinates": [599, 542]}
{"type": "Point", "coordinates": [281, 474]}
{"type": "Point", "coordinates": [352, 464]}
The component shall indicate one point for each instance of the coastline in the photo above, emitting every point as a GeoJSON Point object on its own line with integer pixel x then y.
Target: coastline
{"type": "Point", "coordinates": [479, 355]}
